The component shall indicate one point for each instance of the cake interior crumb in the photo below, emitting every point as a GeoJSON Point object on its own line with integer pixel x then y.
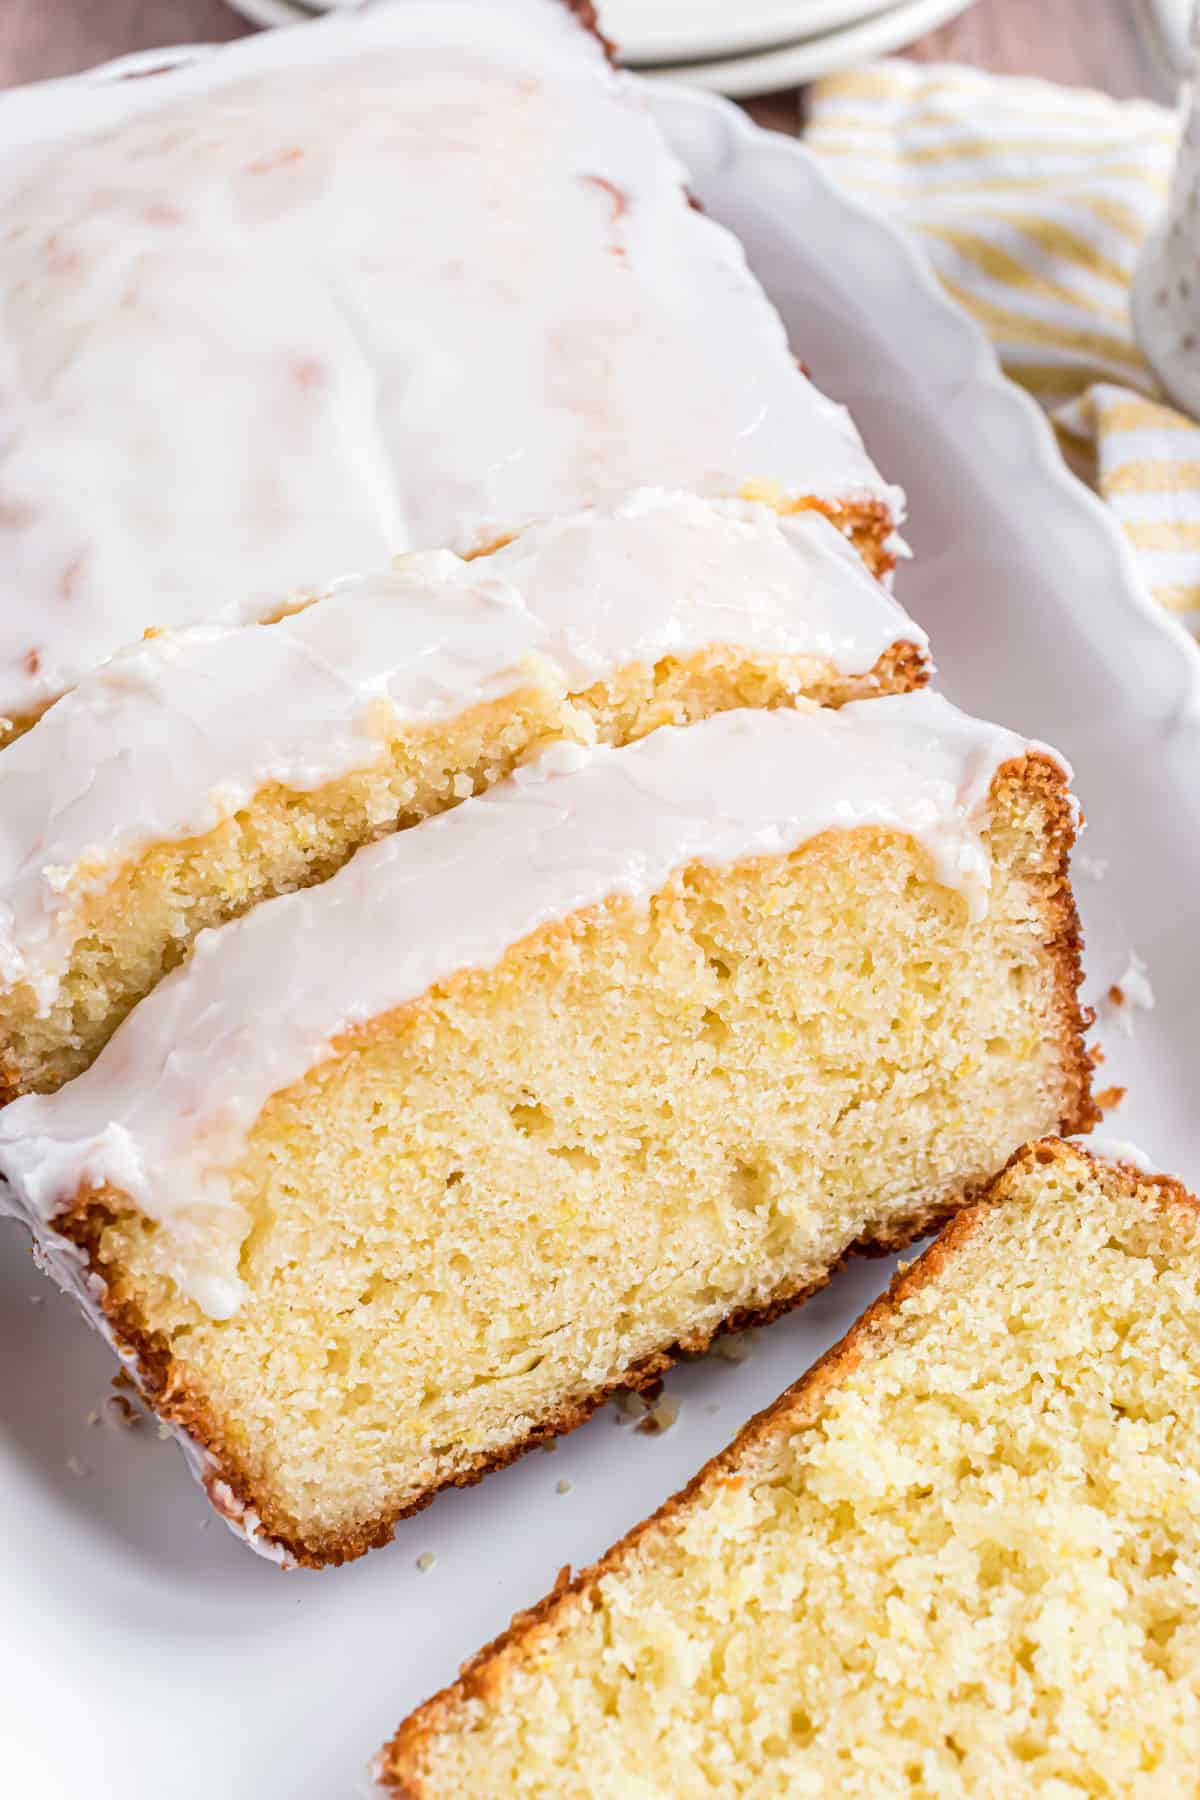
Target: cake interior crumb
{"type": "Point", "coordinates": [966, 1566]}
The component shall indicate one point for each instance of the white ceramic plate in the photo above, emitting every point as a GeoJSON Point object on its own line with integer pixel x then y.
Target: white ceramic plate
{"type": "Point", "coordinates": [660, 31]}
{"type": "Point", "coordinates": [145, 1653]}
{"type": "Point", "coordinates": [271, 12]}
{"type": "Point", "coordinates": [770, 70]}
{"type": "Point", "coordinates": [812, 37]}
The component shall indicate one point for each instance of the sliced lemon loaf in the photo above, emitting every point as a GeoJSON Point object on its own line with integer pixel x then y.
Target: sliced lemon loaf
{"type": "Point", "coordinates": [408, 281]}
{"type": "Point", "coordinates": [958, 1558]}
{"type": "Point", "coordinates": [401, 1174]}
{"type": "Point", "coordinates": [206, 769]}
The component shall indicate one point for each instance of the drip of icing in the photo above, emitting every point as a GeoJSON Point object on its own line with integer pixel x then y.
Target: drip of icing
{"type": "Point", "coordinates": [177, 733]}
{"type": "Point", "coordinates": [163, 1114]}
{"type": "Point", "coordinates": [270, 319]}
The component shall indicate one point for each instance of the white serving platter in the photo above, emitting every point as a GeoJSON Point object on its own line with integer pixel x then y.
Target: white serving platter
{"type": "Point", "coordinates": [667, 31]}
{"type": "Point", "coordinates": [145, 1653]}
{"type": "Point", "coordinates": [854, 40]}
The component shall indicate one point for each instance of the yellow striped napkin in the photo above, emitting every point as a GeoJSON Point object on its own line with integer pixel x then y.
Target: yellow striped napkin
{"type": "Point", "coordinates": [1032, 202]}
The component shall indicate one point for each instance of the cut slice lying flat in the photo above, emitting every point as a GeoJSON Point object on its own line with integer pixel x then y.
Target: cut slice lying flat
{"type": "Point", "coordinates": [406, 1172]}
{"type": "Point", "coordinates": [961, 1556]}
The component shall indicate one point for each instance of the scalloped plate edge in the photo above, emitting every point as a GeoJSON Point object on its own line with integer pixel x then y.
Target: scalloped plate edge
{"type": "Point", "coordinates": [1028, 422]}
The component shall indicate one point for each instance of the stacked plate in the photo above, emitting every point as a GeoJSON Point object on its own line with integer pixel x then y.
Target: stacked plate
{"type": "Point", "coordinates": [753, 47]}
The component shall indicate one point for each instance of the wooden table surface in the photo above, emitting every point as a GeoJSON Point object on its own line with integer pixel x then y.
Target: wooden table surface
{"type": "Point", "coordinates": [1094, 42]}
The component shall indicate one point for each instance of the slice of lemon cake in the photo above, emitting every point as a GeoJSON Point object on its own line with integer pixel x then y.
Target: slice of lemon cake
{"type": "Point", "coordinates": [403, 281]}
{"type": "Point", "coordinates": [208, 768]}
{"type": "Point", "coordinates": [959, 1557]}
{"type": "Point", "coordinates": [401, 1174]}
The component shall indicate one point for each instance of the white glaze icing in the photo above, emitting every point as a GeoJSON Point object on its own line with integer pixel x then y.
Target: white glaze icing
{"type": "Point", "coordinates": [402, 281]}
{"type": "Point", "coordinates": [163, 1113]}
{"type": "Point", "coordinates": [177, 733]}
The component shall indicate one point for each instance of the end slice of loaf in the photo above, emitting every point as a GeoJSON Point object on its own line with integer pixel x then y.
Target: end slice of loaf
{"type": "Point", "coordinates": [959, 1557]}
{"type": "Point", "coordinates": [206, 770]}
{"type": "Point", "coordinates": [402, 1174]}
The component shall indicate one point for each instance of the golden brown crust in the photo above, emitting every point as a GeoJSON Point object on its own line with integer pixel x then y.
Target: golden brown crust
{"type": "Point", "coordinates": [1114, 1173]}
{"type": "Point", "coordinates": [901, 669]}
{"type": "Point", "coordinates": [868, 524]}
{"type": "Point", "coordinates": [797, 1406]}
{"type": "Point", "coordinates": [1065, 940]}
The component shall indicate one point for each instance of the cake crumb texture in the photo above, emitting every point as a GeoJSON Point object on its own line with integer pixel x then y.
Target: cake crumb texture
{"type": "Point", "coordinates": [534, 1184]}
{"type": "Point", "coordinates": [959, 1557]}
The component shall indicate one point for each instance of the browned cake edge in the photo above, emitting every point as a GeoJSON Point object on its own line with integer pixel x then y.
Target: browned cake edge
{"type": "Point", "coordinates": [230, 1487]}
{"type": "Point", "coordinates": [397, 1766]}
{"type": "Point", "coordinates": [868, 524]}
